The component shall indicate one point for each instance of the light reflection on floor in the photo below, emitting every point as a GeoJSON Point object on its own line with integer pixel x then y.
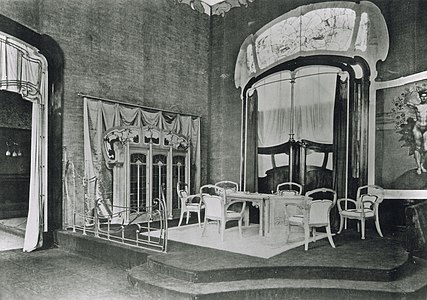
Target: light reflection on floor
{"type": "Point", "coordinates": [8, 240]}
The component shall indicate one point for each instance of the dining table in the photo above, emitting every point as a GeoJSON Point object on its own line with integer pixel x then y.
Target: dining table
{"type": "Point", "coordinates": [271, 208]}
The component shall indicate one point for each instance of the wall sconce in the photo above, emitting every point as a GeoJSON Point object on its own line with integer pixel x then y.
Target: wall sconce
{"type": "Point", "coordinates": [13, 148]}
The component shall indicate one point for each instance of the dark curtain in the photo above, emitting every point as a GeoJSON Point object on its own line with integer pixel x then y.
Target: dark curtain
{"type": "Point", "coordinates": [359, 134]}
{"type": "Point", "coordinates": [339, 144]}
{"type": "Point", "coordinates": [251, 138]}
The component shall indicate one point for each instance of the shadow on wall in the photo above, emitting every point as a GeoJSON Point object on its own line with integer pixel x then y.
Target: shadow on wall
{"type": "Point", "coordinates": [416, 229]}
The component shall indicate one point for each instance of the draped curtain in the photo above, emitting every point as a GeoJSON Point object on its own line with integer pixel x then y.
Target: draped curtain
{"type": "Point", "coordinates": [24, 71]}
{"type": "Point", "coordinates": [251, 180]}
{"type": "Point", "coordinates": [100, 116]}
{"type": "Point", "coordinates": [312, 110]}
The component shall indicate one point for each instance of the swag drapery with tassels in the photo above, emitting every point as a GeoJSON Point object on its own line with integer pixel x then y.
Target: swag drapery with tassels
{"type": "Point", "coordinates": [101, 115]}
{"type": "Point", "coordinates": [24, 71]}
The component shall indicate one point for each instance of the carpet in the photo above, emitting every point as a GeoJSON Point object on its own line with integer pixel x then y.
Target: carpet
{"type": "Point", "coordinates": [251, 243]}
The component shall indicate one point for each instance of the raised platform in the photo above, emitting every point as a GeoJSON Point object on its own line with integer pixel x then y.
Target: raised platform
{"type": "Point", "coordinates": [375, 268]}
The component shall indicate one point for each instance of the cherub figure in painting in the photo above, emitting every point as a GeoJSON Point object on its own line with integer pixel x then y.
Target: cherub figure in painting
{"type": "Point", "coordinates": [410, 112]}
{"type": "Point", "coordinates": [419, 104]}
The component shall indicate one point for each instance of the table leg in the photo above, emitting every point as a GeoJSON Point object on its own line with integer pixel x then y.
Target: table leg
{"type": "Point", "coordinates": [261, 218]}
{"type": "Point", "coordinates": [246, 216]}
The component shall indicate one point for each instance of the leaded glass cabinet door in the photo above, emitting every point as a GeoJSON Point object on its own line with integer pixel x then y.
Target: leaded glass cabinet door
{"type": "Point", "coordinates": [179, 173]}
{"type": "Point", "coordinates": [159, 174]}
{"type": "Point", "coordinates": [139, 182]}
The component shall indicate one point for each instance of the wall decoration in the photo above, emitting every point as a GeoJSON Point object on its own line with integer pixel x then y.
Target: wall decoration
{"type": "Point", "coordinates": [401, 136]}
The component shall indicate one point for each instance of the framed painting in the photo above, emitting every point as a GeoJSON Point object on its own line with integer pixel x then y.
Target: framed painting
{"type": "Point", "coordinates": [401, 137]}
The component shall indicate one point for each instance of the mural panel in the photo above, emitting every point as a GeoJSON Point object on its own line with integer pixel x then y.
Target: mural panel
{"type": "Point", "coordinates": [401, 137]}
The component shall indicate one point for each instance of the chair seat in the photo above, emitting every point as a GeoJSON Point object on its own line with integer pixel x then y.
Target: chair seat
{"type": "Point", "coordinates": [192, 205]}
{"type": "Point", "coordinates": [296, 219]}
{"type": "Point", "coordinates": [233, 214]}
{"type": "Point", "coordinates": [357, 213]}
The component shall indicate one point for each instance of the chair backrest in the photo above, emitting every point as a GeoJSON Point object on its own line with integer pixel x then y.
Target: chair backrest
{"type": "Point", "coordinates": [370, 192]}
{"type": "Point", "coordinates": [182, 191]}
{"type": "Point", "coordinates": [103, 210]}
{"type": "Point", "coordinates": [289, 187]}
{"type": "Point", "coordinates": [213, 198]}
{"type": "Point", "coordinates": [323, 201]}
{"type": "Point", "coordinates": [228, 185]}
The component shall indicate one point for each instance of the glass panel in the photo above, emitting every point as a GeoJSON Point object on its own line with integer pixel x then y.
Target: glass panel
{"type": "Point", "coordinates": [321, 29]}
{"type": "Point", "coordinates": [362, 34]}
{"type": "Point", "coordinates": [159, 174]}
{"type": "Point", "coordinates": [138, 180]}
{"type": "Point", "coordinates": [178, 174]}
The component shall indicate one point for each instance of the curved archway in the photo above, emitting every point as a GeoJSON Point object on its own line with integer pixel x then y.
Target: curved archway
{"type": "Point", "coordinates": [308, 36]}
{"type": "Point", "coordinates": [35, 72]}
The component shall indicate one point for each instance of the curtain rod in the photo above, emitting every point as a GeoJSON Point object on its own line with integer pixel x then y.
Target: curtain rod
{"type": "Point", "coordinates": [136, 105]}
{"type": "Point", "coordinates": [289, 79]}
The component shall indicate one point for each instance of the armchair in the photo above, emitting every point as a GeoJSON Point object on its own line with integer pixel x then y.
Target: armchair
{"type": "Point", "coordinates": [189, 203]}
{"type": "Point", "coordinates": [217, 208]}
{"type": "Point", "coordinates": [316, 214]}
{"type": "Point", "coordinates": [289, 187]}
{"type": "Point", "coordinates": [228, 185]}
{"type": "Point", "coordinates": [366, 206]}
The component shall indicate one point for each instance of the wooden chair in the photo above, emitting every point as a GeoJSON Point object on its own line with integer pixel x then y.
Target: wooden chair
{"type": "Point", "coordinates": [217, 209]}
{"type": "Point", "coordinates": [289, 187]}
{"type": "Point", "coordinates": [228, 185]}
{"type": "Point", "coordinates": [189, 203]}
{"type": "Point", "coordinates": [317, 214]}
{"type": "Point", "coordinates": [365, 207]}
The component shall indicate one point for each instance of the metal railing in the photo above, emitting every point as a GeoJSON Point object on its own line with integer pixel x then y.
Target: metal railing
{"type": "Point", "coordinates": [146, 228]}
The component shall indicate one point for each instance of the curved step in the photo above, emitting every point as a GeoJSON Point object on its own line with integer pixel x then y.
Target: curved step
{"type": "Point", "coordinates": [160, 286]}
{"type": "Point", "coordinates": [383, 261]}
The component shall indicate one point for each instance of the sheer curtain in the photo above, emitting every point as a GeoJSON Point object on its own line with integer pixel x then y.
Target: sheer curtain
{"type": "Point", "coordinates": [313, 106]}
{"type": "Point", "coordinates": [24, 71]}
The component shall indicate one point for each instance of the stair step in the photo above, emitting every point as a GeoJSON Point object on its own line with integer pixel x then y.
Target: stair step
{"type": "Point", "coordinates": [156, 264]}
{"type": "Point", "coordinates": [161, 286]}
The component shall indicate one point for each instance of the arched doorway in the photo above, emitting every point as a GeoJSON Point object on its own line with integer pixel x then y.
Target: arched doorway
{"type": "Point", "coordinates": [31, 66]}
{"type": "Point", "coordinates": [343, 35]}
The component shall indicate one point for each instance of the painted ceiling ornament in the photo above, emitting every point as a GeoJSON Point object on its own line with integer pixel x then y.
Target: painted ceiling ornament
{"type": "Point", "coordinates": [219, 7]}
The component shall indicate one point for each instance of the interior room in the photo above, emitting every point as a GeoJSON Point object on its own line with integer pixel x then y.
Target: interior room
{"type": "Point", "coordinates": [276, 142]}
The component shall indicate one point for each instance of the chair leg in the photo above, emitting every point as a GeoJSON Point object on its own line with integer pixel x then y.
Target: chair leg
{"type": "Point", "coordinates": [181, 217]}
{"type": "Point", "coordinates": [205, 223]}
{"type": "Point", "coordinates": [188, 216]}
{"type": "Point", "coordinates": [240, 227]}
{"type": "Point", "coordinates": [222, 230]}
{"type": "Point", "coordinates": [362, 223]}
{"type": "Point", "coordinates": [314, 233]}
{"type": "Point", "coordinates": [287, 232]}
{"type": "Point", "coordinates": [377, 225]}
{"type": "Point", "coordinates": [306, 237]}
{"type": "Point", "coordinates": [198, 217]}
{"type": "Point", "coordinates": [341, 224]}
{"type": "Point", "coordinates": [328, 232]}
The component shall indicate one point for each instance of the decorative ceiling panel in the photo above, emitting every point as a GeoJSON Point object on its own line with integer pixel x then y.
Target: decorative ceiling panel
{"type": "Point", "coordinates": [215, 7]}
